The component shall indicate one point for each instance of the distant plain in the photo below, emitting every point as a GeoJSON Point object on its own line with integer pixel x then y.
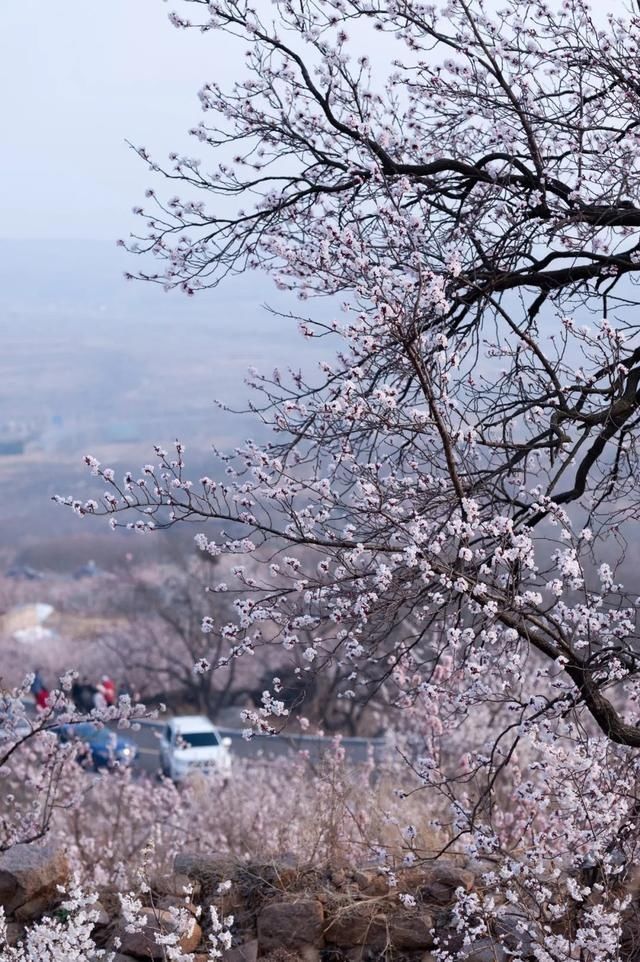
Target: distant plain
{"type": "Point", "coordinates": [91, 363]}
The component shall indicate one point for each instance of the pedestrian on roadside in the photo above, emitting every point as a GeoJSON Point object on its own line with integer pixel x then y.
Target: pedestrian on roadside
{"type": "Point", "coordinates": [108, 689]}
{"type": "Point", "coordinates": [87, 696]}
{"type": "Point", "coordinates": [77, 695]}
{"type": "Point", "coordinates": [37, 684]}
{"type": "Point", "coordinates": [42, 699]}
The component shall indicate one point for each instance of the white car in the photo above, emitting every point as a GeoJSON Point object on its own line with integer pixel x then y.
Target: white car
{"type": "Point", "coordinates": [189, 744]}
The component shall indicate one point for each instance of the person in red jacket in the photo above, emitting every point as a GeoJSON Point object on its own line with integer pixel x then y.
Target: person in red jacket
{"type": "Point", "coordinates": [42, 698]}
{"type": "Point", "coordinates": [108, 690]}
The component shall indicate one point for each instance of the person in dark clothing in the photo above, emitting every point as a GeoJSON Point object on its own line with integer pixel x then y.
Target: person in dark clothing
{"type": "Point", "coordinates": [77, 694]}
{"type": "Point", "coordinates": [90, 692]}
{"type": "Point", "coordinates": [83, 695]}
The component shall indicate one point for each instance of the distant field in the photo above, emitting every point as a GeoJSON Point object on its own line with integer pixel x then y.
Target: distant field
{"type": "Point", "coordinates": [104, 367]}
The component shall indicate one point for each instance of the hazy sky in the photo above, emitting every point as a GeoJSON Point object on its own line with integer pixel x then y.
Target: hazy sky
{"type": "Point", "coordinates": [76, 79]}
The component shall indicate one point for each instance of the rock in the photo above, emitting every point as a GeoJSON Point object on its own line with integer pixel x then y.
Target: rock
{"type": "Point", "coordinates": [484, 950]}
{"type": "Point", "coordinates": [379, 924]}
{"type": "Point", "coordinates": [371, 881]}
{"type": "Point", "coordinates": [143, 943]}
{"type": "Point", "coordinates": [31, 871]}
{"type": "Point", "coordinates": [103, 918]}
{"type": "Point", "coordinates": [172, 884]}
{"type": "Point", "coordinates": [449, 938]}
{"type": "Point", "coordinates": [204, 868]}
{"type": "Point", "coordinates": [206, 873]}
{"type": "Point", "coordinates": [358, 923]}
{"type": "Point", "coordinates": [291, 925]}
{"type": "Point", "coordinates": [516, 932]}
{"type": "Point", "coordinates": [33, 909]}
{"type": "Point", "coordinates": [282, 872]}
{"type": "Point", "coordinates": [436, 883]}
{"type": "Point", "coordinates": [14, 932]}
{"type": "Point", "coordinates": [411, 930]}
{"type": "Point", "coordinates": [233, 902]}
{"type": "Point", "coordinates": [245, 952]}
{"type": "Point", "coordinates": [168, 902]}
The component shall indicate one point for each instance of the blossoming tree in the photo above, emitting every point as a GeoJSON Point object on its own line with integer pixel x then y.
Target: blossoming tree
{"type": "Point", "coordinates": [442, 508]}
{"type": "Point", "coordinates": [472, 447]}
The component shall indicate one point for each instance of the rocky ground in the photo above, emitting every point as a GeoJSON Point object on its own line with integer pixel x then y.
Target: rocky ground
{"type": "Point", "coordinates": [283, 911]}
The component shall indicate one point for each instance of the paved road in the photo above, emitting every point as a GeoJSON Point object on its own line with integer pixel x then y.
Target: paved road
{"type": "Point", "coordinates": [266, 747]}
{"type": "Point", "coordinates": [260, 746]}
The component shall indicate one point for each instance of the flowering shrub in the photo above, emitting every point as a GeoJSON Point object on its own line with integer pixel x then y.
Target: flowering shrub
{"type": "Point", "coordinates": [39, 774]}
{"type": "Point", "coordinates": [67, 936]}
{"type": "Point", "coordinates": [324, 813]}
{"type": "Point", "coordinates": [551, 849]}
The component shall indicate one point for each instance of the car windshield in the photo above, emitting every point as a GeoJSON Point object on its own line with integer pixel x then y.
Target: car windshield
{"type": "Point", "coordinates": [84, 730]}
{"type": "Point", "coordinates": [197, 739]}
